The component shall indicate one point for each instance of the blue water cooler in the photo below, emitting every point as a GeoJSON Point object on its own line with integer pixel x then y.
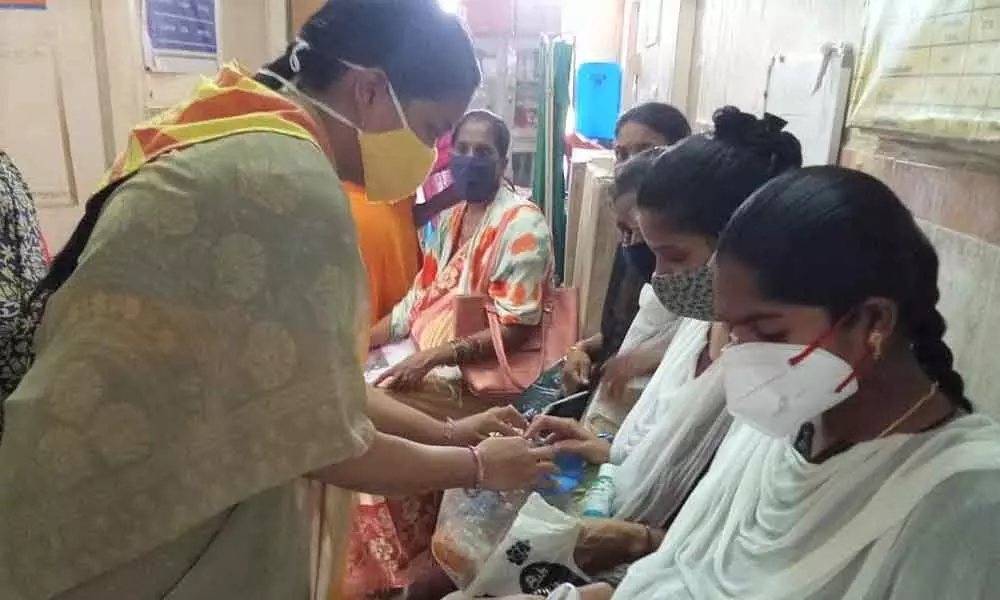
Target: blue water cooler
{"type": "Point", "coordinates": [598, 99]}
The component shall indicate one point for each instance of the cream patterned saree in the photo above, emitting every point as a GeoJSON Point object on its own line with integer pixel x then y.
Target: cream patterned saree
{"type": "Point", "coordinates": [201, 359]}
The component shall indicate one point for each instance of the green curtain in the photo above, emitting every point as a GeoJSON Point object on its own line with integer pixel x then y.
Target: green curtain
{"type": "Point", "coordinates": [548, 179]}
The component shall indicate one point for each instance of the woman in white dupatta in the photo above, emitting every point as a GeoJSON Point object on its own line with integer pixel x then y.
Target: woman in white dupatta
{"type": "Point", "coordinates": [830, 288]}
{"type": "Point", "coordinates": [669, 438]}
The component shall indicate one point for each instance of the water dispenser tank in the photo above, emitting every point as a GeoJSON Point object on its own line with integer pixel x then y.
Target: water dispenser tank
{"type": "Point", "coordinates": [598, 99]}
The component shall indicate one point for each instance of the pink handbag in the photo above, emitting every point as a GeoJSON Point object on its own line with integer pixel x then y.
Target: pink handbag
{"type": "Point", "coordinates": [511, 373]}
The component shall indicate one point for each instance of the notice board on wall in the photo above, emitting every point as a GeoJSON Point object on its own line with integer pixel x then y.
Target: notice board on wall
{"type": "Point", "coordinates": [181, 36]}
{"type": "Point", "coordinates": [23, 4]}
{"type": "Point", "coordinates": [930, 68]}
{"type": "Point", "coordinates": [810, 92]}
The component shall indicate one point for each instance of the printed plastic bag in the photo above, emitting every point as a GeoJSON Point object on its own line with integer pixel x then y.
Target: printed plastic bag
{"type": "Point", "coordinates": [471, 523]}
{"type": "Point", "coordinates": [535, 556]}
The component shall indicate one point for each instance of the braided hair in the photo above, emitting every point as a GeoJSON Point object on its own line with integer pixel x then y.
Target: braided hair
{"type": "Point", "coordinates": [699, 183]}
{"type": "Point", "coordinates": [425, 52]}
{"type": "Point", "coordinates": [832, 238]}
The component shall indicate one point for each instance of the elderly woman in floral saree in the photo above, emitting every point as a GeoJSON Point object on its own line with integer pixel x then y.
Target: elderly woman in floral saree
{"type": "Point", "coordinates": [493, 243]}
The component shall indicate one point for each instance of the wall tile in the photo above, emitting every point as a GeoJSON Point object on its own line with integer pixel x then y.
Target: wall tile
{"type": "Point", "coordinates": [968, 281]}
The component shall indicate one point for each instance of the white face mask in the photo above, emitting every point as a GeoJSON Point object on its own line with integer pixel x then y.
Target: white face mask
{"type": "Point", "coordinates": [776, 388]}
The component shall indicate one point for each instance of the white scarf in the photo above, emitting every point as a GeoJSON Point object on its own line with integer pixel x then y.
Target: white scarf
{"type": "Point", "coordinates": [676, 369]}
{"type": "Point", "coordinates": [765, 524]}
{"type": "Point", "coordinates": [653, 482]}
{"type": "Point", "coordinates": [652, 323]}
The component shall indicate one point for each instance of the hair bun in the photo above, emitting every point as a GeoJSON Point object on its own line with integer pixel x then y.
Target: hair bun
{"type": "Point", "coordinates": [764, 136]}
{"type": "Point", "coordinates": [733, 125]}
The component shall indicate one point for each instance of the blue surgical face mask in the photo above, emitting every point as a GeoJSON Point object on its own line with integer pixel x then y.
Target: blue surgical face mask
{"type": "Point", "coordinates": [475, 178]}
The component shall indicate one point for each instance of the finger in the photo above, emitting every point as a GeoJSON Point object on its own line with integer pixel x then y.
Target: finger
{"type": "Point", "coordinates": [544, 453]}
{"type": "Point", "coordinates": [544, 483]}
{"type": "Point", "coordinates": [575, 377]}
{"type": "Point", "coordinates": [387, 383]}
{"type": "Point", "coordinates": [511, 415]}
{"type": "Point", "coordinates": [546, 468]}
{"type": "Point", "coordinates": [539, 424]}
{"type": "Point", "coordinates": [385, 376]}
{"type": "Point", "coordinates": [502, 427]}
{"type": "Point", "coordinates": [561, 427]}
{"type": "Point", "coordinates": [570, 447]}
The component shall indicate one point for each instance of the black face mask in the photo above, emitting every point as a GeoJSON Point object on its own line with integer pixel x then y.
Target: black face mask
{"type": "Point", "coordinates": [640, 259]}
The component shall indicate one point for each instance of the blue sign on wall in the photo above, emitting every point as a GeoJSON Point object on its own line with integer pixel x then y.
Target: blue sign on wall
{"type": "Point", "coordinates": [182, 26]}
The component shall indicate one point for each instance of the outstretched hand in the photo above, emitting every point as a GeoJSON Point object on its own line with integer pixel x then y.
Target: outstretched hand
{"type": "Point", "coordinates": [407, 374]}
{"type": "Point", "coordinates": [570, 436]}
{"type": "Point", "coordinates": [503, 420]}
{"type": "Point", "coordinates": [514, 463]}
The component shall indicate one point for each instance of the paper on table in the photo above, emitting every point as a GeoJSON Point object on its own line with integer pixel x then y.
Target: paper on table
{"type": "Point", "coordinates": [382, 359]}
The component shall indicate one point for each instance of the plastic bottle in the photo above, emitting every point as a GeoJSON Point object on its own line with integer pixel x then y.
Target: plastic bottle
{"type": "Point", "coordinates": [599, 498]}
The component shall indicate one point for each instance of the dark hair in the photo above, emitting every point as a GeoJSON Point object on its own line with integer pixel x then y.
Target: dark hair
{"type": "Point", "coordinates": [424, 51]}
{"type": "Point", "coordinates": [700, 182]}
{"type": "Point", "coordinates": [832, 237]}
{"type": "Point", "coordinates": [501, 133]}
{"type": "Point", "coordinates": [662, 118]}
{"type": "Point", "coordinates": [630, 174]}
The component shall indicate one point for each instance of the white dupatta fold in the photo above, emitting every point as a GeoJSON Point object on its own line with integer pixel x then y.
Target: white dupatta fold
{"type": "Point", "coordinates": [767, 524]}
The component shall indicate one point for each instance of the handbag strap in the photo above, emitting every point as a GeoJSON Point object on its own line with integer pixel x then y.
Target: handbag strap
{"type": "Point", "coordinates": [493, 319]}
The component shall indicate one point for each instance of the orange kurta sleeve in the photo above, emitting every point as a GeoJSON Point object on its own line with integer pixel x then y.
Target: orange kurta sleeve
{"type": "Point", "coordinates": [389, 248]}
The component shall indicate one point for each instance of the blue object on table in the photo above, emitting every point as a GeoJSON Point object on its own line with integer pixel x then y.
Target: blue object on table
{"type": "Point", "coordinates": [598, 99]}
{"type": "Point", "coordinates": [571, 469]}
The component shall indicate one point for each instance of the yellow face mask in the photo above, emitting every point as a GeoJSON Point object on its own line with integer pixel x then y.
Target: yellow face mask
{"type": "Point", "coordinates": [395, 162]}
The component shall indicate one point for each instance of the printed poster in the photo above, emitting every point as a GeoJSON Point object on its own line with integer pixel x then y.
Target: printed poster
{"type": "Point", "coordinates": [22, 4]}
{"type": "Point", "coordinates": [930, 68]}
{"type": "Point", "coordinates": [181, 36]}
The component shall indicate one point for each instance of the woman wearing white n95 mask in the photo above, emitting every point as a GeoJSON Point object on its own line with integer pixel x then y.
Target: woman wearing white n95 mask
{"type": "Point", "coordinates": [892, 487]}
{"type": "Point", "coordinates": [669, 437]}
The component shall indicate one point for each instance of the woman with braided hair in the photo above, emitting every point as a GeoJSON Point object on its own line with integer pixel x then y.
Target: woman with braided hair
{"type": "Point", "coordinates": [687, 195]}
{"type": "Point", "coordinates": [856, 467]}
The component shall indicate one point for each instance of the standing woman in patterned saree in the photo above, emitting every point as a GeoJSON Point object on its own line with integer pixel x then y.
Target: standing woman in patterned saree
{"type": "Point", "coordinates": [195, 413]}
{"type": "Point", "coordinates": [23, 258]}
{"type": "Point", "coordinates": [495, 243]}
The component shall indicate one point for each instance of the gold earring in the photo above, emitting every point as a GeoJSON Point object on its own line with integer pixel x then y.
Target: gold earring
{"type": "Point", "coordinates": [875, 340]}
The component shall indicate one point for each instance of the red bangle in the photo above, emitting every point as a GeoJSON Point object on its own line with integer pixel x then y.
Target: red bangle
{"type": "Point", "coordinates": [480, 471]}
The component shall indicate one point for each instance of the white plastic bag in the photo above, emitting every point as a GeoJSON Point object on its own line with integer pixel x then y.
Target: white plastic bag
{"type": "Point", "coordinates": [534, 557]}
{"type": "Point", "coordinates": [471, 523]}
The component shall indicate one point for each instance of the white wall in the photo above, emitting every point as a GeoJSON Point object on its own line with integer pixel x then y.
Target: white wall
{"type": "Point", "coordinates": [596, 26]}
{"type": "Point", "coordinates": [76, 84]}
{"type": "Point", "coordinates": [734, 42]}
{"type": "Point", "coordinates": [250, 31]}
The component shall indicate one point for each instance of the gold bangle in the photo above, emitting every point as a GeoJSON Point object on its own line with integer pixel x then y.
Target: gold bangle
{"type": "Point", "coordinates": [456, 351]}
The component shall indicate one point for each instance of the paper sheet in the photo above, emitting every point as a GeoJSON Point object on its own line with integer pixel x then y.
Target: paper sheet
{"type": "Point", "coordinates": [382, 359]}
{"type": "Point", "coordinates": [810, 92]}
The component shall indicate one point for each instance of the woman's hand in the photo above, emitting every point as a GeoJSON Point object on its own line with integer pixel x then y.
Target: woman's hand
{"type": "Point", "coordinates": [380, 334]}
{"type": "Point", "coordinates": [505, 420]}
{"type": "Point", "coordinates": [577, 369]}
{"type": "Point", "coordinates": [512, 463]}
{"type": "Point", "coordinates": [620, 370]}
{"type": "Point", "coordinates": [410, 372]}
{"type": "Point", "coordinates": [569, 435]}
{"type": "Point", "coordinates": [604, 544]}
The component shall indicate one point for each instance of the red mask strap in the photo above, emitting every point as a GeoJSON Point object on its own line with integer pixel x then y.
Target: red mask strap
{"type": "Point", "coordinates": [820, 341]}
{"type": "Point", "coordinates": [801, 356]}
